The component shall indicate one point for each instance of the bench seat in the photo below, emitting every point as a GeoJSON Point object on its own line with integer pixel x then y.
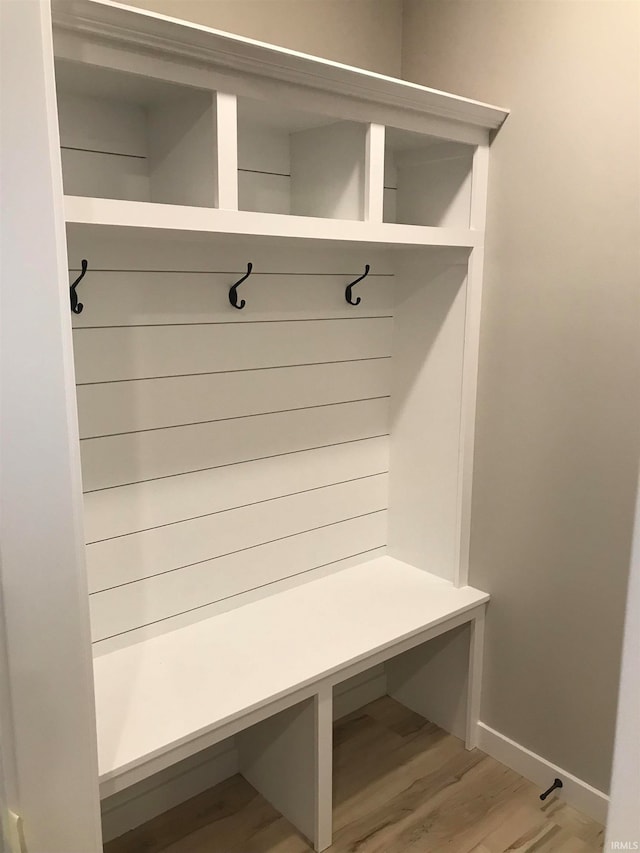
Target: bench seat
{"type": "Point", "coordinates": [167, 697]}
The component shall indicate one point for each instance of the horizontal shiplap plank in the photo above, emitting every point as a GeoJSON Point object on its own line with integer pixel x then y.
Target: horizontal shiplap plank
{"type": "Point", "coordinates": [270, 193]}
{"type": "Point", "coordinates": [105, 176]}
{"type": "Point", "coordinates": [126, 608]}
{"type": "Point", "coordinates": [119, 249]}
{"type": "Point", "coordinates": [162, 549]}
{"type": "Point", "coordinates": [115, 407]}
{"type": "Point", "coordinates": [207, 611]}
{"type": "Point", "coordinates": [114, 298]}
{"type": "Point", "coordinates": [116, 460]}
{"type": "Point", "coordinates": [127, 509]}
{"type": "Point", "coordinates": [104, 355]}
{"type": "Point", "coordinates": [102, 124]}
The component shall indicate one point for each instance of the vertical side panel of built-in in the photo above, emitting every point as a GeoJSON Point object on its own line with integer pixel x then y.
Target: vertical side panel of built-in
{"type": "Point", "coordinates": [374, 173]}
{"type": "Point", "coordinates": [44, 587]}
{"type": "Point", "coordinates": [479, 182]}
{"type": "Point", "coordinates": [226, 194]}
{"type": "Point", "coordinates": [428, 351]}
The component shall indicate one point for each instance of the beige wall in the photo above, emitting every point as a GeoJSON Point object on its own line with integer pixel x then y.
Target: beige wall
{"type": "Point", "coordinates": [558, 410]}
{"type": "Point", "coordinates": [366, 33]}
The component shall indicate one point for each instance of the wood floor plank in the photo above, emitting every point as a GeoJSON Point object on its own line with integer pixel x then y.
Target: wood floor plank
{"type": "Point", "coordinates": [401, 785]}
{"type": "Point", "coordinates": [579, 824]}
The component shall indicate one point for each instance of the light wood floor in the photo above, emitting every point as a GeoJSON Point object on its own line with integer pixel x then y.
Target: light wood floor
{"type": "Point", "coordinates": [401, 785]}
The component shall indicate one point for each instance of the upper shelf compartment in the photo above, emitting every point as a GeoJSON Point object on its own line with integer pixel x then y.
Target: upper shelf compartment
{"type": "Point", "coordinates": [427, 181]}
{"type": "Point", "coordinates": [299, 163]}
{"type": "Point", "coordinates": [130, 137]}
{"type": "Point", "coordinates": [156, 116]}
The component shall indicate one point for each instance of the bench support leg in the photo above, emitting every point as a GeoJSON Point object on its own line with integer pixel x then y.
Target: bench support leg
{"type": "Point", "coordinates": [287, 758]}
{"type": "Point", "coordinates": [476, 652]}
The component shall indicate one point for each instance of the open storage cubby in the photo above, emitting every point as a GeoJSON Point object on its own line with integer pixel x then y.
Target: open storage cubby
{"type": "Point", "coordinates": [431, 679]}
{"type": "Point", "coordinates": [130, 137]}
{"type": "Point", "coordinates": [427, 180]}
{"type": "Point", "coordinates": [299, 163]}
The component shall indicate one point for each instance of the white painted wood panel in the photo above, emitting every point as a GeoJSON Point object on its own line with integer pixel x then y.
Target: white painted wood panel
{"type": "Point", "coordinates": [287, 758]}
{"type": "Point", "coordinates": [120, 248]}
{"type": "Point", "coordinates": [117, 460]}
{"type": "Point", "coordinates": [328, 171]}
{"type": "Point", "coordinates": [241, 429]}
{"type": "Point", "coordinates": [163, 150]}
{"type": "Point", "coordinates": [117, 407]}
{"type": "Point", "coordinates": [428, 181]}
{"type": "Point", "coordinates": [224, 605]}
{"type": "Point", "coordinates": [432, 680]}
{"type": "Point", "coordinates": [374, 173]}
{"type": "Point", "coordinates": [264, 192]}
{"type": "Point", "coordinates": [480, 177]}
{"type": "Point", "coordinates": [47, 710]}
{"type": "Point", "coordinates": [264, 161]}
{"type": "Point", "coordinates": [106, 175]}
{"type": "Point", "coordinates": [160, 221]}
{"type": "Point", "coordinates": [263, 142]}
{"type": "Point", "coordinates": [104, 147]}
{"type": "Point", "coordinates": [117, 511]}
{"type": "Point", "coordinates": [226, 196]}
{"type": "Point", "coordinates": [264, 70]}
{"type": "Point", "coordinates": [435, 193]}
{"type": "Point", "coordinates": [126, 298]}
{"type": "Point", "coordinates": [426, 415]}
{"type": "Point", "coordinates": [139, 352]}
{"type": "Point", "coordinates": [181, 134]}
{"type": "Point", "coordinates": [389, 204]}
{"type": "Point", "coordinates": [125, 559]}
{"type": "Point", "coordinates": [101, 124]}
{"type": "Point", "coordinates": [126, 608]}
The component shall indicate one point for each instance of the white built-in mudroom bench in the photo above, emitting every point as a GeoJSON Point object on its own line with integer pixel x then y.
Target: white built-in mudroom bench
{"type": "Point", "coordinates": [272, 305]}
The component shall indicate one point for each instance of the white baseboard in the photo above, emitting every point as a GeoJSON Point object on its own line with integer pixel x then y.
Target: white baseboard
{"type": "Point", "coordinates": [538, 770]}
{"type": "Point", "coordinates": [142, 802]}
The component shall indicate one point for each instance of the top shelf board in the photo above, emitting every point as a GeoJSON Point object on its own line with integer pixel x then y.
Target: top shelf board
{"type": "Point", "coordinates": [162, 221]}
{"type": "Point", "coordinates": [166, 37]}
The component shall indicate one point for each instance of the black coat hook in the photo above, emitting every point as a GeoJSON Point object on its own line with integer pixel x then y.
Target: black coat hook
{"type": "Point", "coordinates": [347, 293]}
{"type": "Point", "coordinates": [233, 291]}
{"type": "Point", "coordinates": [557, 783]}
{"type": "Point", "coordinates": [76, 306]}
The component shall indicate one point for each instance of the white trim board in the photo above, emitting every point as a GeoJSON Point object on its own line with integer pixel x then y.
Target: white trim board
{"type": "Point", "coordinates": [194, 43]}
{"type": "Point", "coordinates": [153, 219]}
{"type": "Point", "coordinates": [538, 770]}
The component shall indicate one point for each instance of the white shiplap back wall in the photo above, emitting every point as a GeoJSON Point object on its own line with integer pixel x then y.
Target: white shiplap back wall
{"type": "Point", "coordinates": [225, 451]}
